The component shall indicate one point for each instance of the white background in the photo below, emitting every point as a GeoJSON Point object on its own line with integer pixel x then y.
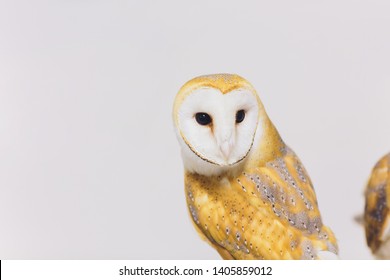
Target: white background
{"type": "Point", "coordinates": [110, 269]}
{"type": "Point", "coordinates": [89, 164]}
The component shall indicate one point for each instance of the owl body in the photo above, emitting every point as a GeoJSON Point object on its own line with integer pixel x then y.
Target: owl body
{"type": "Point", "coordinates": [267, 212]}
{"type": "Point", "coordinates": [377, 209]}
{"type": "Point", "coordinates": [247, 193]}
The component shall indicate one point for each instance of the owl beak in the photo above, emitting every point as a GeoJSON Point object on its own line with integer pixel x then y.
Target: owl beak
{"type": "Point", "coordinates": [226, 148]}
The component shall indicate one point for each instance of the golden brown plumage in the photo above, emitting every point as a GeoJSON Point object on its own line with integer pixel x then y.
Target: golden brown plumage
{"type": "Point", "coordinates": [377, 209]}
{"type": "Point", "coordinates": [267, 212]}
{"type": "Point", "coordinates": [263, 206]}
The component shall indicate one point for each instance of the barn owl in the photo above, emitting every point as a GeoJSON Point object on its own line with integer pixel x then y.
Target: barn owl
{"type": "Point", "coordinates": [377, 210]}
{"type": "Point", "coordinates": [247, 193]}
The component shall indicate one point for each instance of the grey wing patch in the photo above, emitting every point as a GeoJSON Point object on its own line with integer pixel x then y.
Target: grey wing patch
{"type": "Point", "coordinates": [282, 198]}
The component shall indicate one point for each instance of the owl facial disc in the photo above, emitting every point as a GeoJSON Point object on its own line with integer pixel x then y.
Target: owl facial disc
{"type": "Point", "coordinates": [217, 127]}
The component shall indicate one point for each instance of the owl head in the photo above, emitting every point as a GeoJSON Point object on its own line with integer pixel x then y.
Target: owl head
{"type": "Point", "coordinates": [219, 121]}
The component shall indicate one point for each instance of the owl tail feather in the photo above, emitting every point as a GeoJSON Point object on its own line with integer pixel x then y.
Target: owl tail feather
{"type": "Point", "coordinates": [359, 219]}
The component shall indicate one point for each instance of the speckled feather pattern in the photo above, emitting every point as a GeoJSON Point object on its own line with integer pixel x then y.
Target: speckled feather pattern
{"type": "Point", "coordinates": [377, 208]}
{"type": "Point", "coordinates": [267, 212]}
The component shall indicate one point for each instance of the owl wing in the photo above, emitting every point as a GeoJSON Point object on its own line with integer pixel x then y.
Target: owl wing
{"type": "Point", "coordinates": [267, 212]}
{"type": "Point", "coordinates": [377, 207]}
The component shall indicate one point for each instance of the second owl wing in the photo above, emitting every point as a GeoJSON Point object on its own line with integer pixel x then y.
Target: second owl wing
{"type": "Point", "coordinates": [377, 207]}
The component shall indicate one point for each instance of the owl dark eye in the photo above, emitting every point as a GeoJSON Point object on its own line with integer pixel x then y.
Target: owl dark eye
{"type": "Point", "coordinates": [203, 118]}
{"type": "Point", "coordinates": [240, 116]}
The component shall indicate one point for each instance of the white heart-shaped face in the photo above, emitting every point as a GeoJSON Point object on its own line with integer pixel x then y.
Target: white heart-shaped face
{"type": "Point", "coordinates": [219, 128]}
